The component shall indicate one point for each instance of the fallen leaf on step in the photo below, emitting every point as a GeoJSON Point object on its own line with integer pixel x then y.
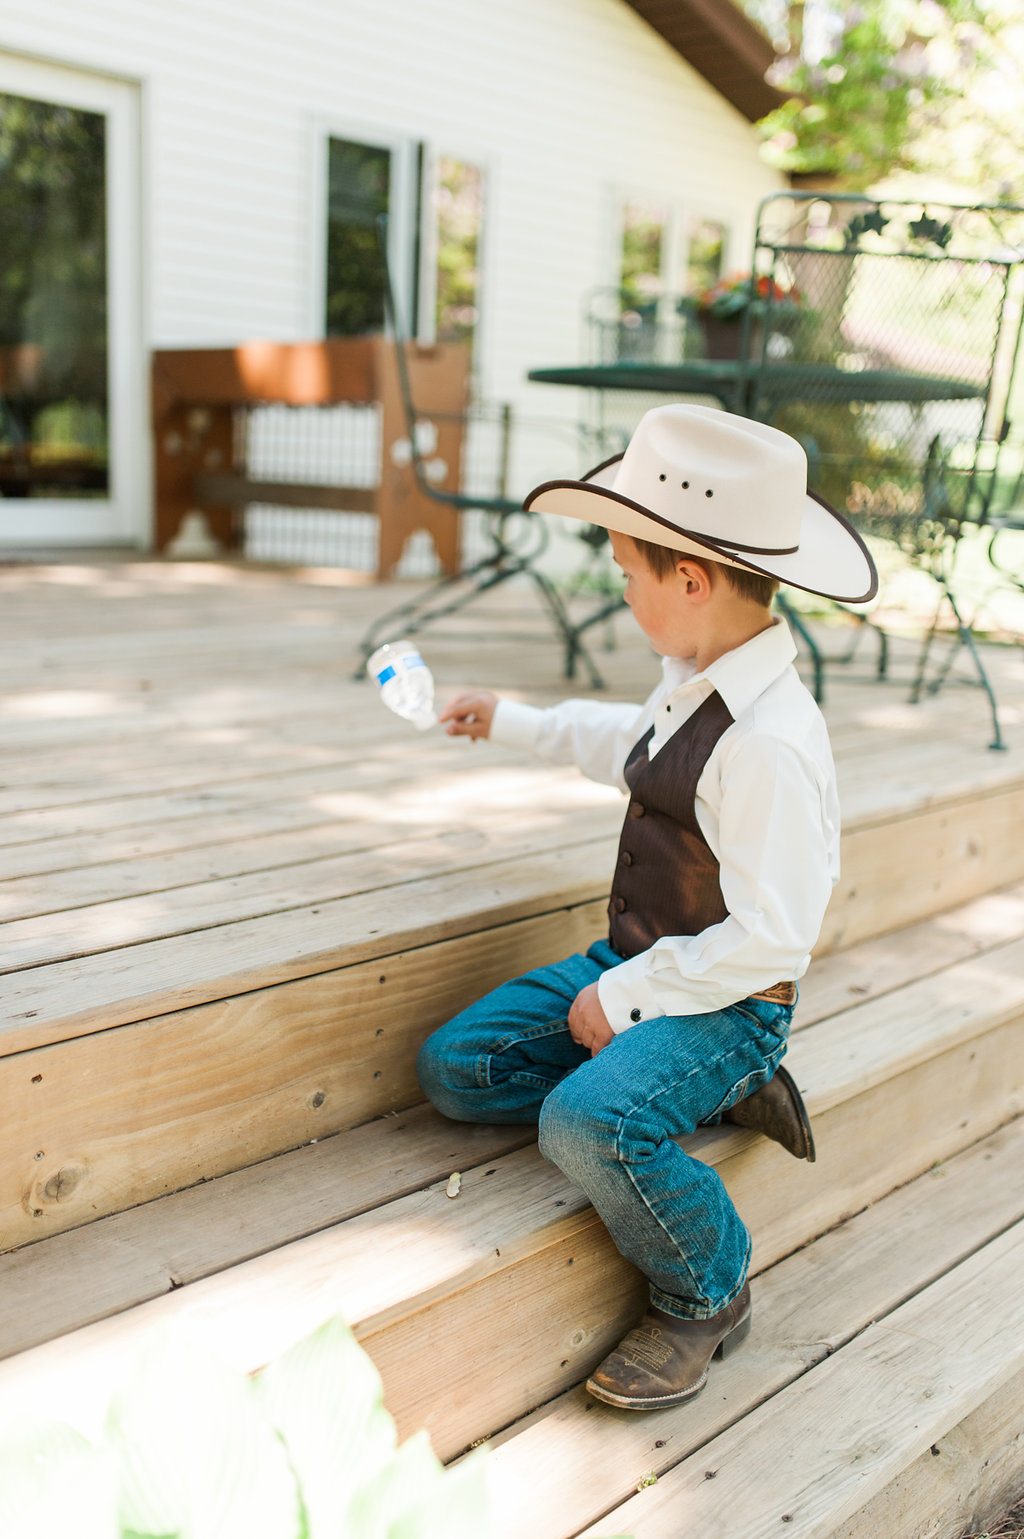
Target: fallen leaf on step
{"type": "Point", "coordinates": [454, 1184]}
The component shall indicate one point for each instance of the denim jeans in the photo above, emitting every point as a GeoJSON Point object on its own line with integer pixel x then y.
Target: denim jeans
{"type": "Point", "coordinates": [609, 1122]}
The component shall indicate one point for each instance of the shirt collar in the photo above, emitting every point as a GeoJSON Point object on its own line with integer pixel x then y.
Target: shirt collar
{"type": "Point", "coordinates": [743, 674]}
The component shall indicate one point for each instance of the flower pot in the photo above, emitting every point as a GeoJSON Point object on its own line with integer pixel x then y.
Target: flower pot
{"type": "Point", "coordinates": [722, 338]}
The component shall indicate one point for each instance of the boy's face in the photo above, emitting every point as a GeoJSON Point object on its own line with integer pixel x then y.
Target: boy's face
{"type": "Point", "coordinates": [658, 604]}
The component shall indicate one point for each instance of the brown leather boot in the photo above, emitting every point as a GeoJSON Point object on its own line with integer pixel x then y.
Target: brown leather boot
{"type": "Point", "coordinates": [664, 1360]}
{"type": "Point", "coordinates": [777, 1110]}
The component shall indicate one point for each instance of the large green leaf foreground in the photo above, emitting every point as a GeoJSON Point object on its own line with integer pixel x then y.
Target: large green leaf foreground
{"type": "Point", "coordinates": [194, 1449]}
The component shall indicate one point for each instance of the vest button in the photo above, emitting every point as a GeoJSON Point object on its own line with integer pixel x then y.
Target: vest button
{"type": "Point", "coordinates": [637, 810]}
{"type": "Point", "coordinates": [619, 904]}
{"type": "Point", "coordinates": [626, 858]}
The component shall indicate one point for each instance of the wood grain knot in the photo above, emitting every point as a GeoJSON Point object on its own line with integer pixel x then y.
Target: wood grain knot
{"type": "Point", "coordinates": [63, 1183]}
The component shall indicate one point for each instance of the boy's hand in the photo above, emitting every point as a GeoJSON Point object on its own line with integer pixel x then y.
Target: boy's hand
{"type": "Point", "coordinates": [588, 1024]}
{"type": "Point", "coordinates": [470, 715]}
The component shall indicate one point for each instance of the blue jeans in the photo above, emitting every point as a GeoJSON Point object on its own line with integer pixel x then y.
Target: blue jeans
{"type": "Point", "coordinates": [609, 1122]}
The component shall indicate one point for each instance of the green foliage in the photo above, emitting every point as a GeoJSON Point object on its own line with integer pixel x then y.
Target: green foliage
{"type": "Point", "coordinates": [869, 81]}
{"type": "Point", "coordinates": [194, 1449]}
{"type": "Point", "coordinates": [460, 208]}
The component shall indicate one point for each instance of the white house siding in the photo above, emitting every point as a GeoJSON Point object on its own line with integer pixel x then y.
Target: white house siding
{"type": "Point", "coordinates": [563, 101]}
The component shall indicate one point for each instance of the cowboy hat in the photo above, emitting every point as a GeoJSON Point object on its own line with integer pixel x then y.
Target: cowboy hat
{"type": "Point", "coordinates": [728, 488]}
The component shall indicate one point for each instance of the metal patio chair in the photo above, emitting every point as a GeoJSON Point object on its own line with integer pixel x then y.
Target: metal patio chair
{"type": "Point", "coordinates": [517, 539]}
{"type": "Point", "coordinates": [885, 341]}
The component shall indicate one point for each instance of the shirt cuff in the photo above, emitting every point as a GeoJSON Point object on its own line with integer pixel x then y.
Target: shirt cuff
{"type": "Point", "coordinates": [515, 725]}
{"type": "Point", "coordinates": [626, 995]}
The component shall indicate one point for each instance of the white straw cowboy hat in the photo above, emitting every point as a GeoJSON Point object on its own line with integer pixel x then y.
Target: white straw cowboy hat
{"type": "Point", "coordinates": [711, 484]}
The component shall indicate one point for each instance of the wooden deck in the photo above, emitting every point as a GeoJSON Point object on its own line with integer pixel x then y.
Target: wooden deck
{"type": "Point", "coordinates": [236, 894]}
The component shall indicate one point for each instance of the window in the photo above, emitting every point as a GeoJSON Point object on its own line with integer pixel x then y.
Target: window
{"type": "Point", "coordinates": [458, 212]}
{"type": "Point", "coordinates": [663, 249]}
{"type": "Point", "coordinates": [358, 193]}
{"type": "Point", "coordinates": [705, 254]}
{"type": "Point", "coordinates": [645, 232]}
{"type": "Point", "coordinates": [435, 210]}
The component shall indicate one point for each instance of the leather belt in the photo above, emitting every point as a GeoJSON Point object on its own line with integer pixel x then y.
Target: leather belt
{"type": "Point", "coordinates": [778, 994]}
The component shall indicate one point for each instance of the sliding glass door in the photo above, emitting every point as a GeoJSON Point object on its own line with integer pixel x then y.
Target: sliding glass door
{"type": "Point", "coordinates": [72, 420]}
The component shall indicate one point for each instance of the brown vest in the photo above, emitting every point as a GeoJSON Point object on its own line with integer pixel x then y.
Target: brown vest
{"type": "Point", "coordinates": [666, 877]}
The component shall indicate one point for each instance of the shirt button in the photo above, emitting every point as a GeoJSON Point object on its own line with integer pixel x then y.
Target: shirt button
{"type": "Point", "coordinates": [634, 1014]}
{"type": "Point", "coordinates": [637, 810]}
{"type": "Point", "coordinates": [619, 904]}
{"type": "Point", "coordinates": [626, 858]}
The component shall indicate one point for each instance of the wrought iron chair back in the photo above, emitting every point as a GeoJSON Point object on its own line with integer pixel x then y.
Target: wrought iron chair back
{"type": "Point", "coordinates": [884, 336]}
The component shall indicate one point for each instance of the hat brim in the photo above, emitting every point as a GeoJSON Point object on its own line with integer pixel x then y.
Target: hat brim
{"type": "Point", "coordinates": [831, 560]}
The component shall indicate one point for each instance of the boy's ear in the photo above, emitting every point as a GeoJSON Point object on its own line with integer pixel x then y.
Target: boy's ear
{"type": "Point", "coordinates": [695, 577]}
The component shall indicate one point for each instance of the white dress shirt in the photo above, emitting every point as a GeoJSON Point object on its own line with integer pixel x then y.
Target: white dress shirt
{"type": "Point", "coordinates": [766, 804]}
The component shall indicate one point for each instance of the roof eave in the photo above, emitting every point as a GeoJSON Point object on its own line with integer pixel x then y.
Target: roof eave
{"type": "Point", "coordinates": [722, 44]}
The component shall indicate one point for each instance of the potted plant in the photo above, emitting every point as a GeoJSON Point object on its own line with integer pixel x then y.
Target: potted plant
{"type": "Point", "coordinates": [721, 309]}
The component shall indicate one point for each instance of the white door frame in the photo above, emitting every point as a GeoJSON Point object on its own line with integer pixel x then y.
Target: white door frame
{"type": "Point", "coordinates": [125, 516]}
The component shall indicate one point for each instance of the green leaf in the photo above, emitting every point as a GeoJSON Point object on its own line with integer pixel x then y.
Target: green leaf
{"type": "Point", "coordinates": [415, 1498]}
{"type": "Point", "coordinates": [55, 1484]}
{"type": "Point", "coordinates": [198, 1460]}
{"type": "Point", "coordinates": [324, 1398]}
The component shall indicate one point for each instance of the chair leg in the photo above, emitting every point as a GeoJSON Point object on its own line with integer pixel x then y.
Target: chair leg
{"type": "Point", "coordinates": [817, 661]}
{"type": "Point", "coordinates": [964, 638]}
{"type": "Point", "coordinates": [923, 655]}
{"type": "Point", "coordinates": [420, 612]}
{"type": "Point", "coordinates": [571, 634]}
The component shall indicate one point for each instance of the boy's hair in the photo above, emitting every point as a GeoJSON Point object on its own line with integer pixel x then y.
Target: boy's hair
{"type": "Point", "coordinates": [754, 586]}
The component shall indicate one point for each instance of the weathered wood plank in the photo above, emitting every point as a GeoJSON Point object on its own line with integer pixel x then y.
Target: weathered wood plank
{"type": "Point", "coordinates": [86, 1274]}
{"type": "Point", "coordinates": [262, 950]}
{"type": "Point", "coordinates": [923, 863]}
{"type": "Point", "coordinates": [247, 841]}
{"type": "Point", "coordinates": [365, 867]}
{"type": "Point", "coordinates": [215, 1068]}
{"type": "Point", "coordinates": [361, 1269]}
{"type": "Point", "coordinates": [565, 1464]}
{"type": "Point", "coordinates": [101, 1123]}
{"type": "Point", "coordinates": [903, 1384]}
{"type": "Point", "coordinates": [963, 1484]}
{"type": "Point", "coordinates": [425, 1253]}
{"type": "Point", "coordinates": [69, 999]}
{"type": "Point", "coordinates": [419, 991]}
{"type": "Point", "coordinates": [110, 811]}
{"type": "Point", "coordinates": [906, 1027]}
{"type": "Point", "coordinates": [839, 980]}
{"type": "Point", "coordinates": [242, 489]}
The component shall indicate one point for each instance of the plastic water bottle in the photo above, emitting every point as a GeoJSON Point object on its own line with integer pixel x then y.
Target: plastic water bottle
{"type": "Point", "coordinates": [405, 682]}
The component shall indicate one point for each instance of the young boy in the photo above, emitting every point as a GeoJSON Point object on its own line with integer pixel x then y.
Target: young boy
{"type": "Point", "coordinates": [726, 861]}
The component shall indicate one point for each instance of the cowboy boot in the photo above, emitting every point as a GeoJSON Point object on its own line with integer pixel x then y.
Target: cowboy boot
{"type": "Point", "coordinates": [665, 1360]}
{"type": "Point", "coordinates": [777, 1110]}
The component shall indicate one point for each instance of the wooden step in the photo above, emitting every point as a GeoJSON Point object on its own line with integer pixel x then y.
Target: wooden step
{"type": "Point", "coordinates": [78, 1103]}
{"type": "Point", "coordinates": [100, 1269]}
{"type": "Point", "coordinates": [894, 1084]}
{"type": "Point", "coordinates": [240, 893]}
{"type": "Point", "coordinates": [118, 1117]}
{"type": "Point", "coordinates": [573, 1462]}
{"type": "Point", "coordinates": [172, 1240]}
{"type": "Point", "coordinates": [906, 1382]}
